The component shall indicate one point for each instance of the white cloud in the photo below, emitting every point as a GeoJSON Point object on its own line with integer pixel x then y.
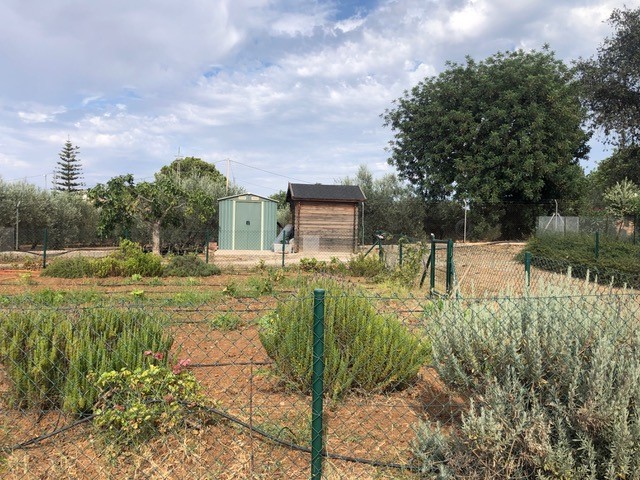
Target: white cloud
{"type": "Point", "coordinates": [35, 113]}
{"type": "Point", "coordinates": [293, 86]}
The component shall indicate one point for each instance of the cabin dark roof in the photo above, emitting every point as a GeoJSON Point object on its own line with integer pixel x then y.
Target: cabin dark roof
{"type": "Point", "coordinates": [325, 193]}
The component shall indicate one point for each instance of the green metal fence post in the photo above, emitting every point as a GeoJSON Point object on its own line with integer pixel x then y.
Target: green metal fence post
{"type": "Point", "coordinates": [283, 243]}
{"type": "Point", "coordinates": [432, 273]}
{"type": "Point", "coordinates": [596, 249]}
{"type": "Point", "coordinates": [380, 251]}
{"type": "Point", "coordinates": [527, 268]}
{"type": "Point", "coordinates": [449, 274]}
{"type": "Point", "coordinates": [44, 249]}
{"type": "Point", "coordinates": [207, 239]}
{"type": "Point", "coordinates": [317, 447]}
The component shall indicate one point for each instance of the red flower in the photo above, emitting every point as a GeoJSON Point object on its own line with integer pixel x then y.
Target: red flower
{"type": "Point", "coordinates": [181, 365]}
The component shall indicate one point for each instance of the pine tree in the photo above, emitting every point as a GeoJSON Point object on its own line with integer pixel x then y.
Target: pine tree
{"type": "Point", "coordinates": [69, 170]}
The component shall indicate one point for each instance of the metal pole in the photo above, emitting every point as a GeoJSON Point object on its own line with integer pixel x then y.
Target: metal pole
{"type": "Point", "coordinates": [432, 273]}
{"type": "Point", "coordinates": [527, 268]}
{"type": "Point", "coordinates": [44, 250]}
{"type": "Point", "coordinates": [449, 265]}
{"type": "Point", "coordinates": [362, 222]}
{"type": "Point", "coordinates": [466, 209]}
{"type": "Point", "coordinates": [596, 249]}
{"type": "Point", "coordinates": [17, 225]}
{"type": "Point", "coordinates": [206, 247]}
{"type": "Point", "coordinates": [317, 447]}
{"type": "Point", "coordinates": [283, 240]}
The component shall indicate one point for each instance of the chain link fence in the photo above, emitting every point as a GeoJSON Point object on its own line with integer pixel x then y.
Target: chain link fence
{"type": "Point", "coordinates": [516, 373]}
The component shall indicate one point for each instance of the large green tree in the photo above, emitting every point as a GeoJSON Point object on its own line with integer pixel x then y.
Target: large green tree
{"type": "Point", "coordinates": [68, 218]}
{"type": "Point", "coordinates": [116, 201]}
{"type": "Point", "coordinates": [623, 164]}
{"type": "Point", "coordinates": [68, 173]}
{"type": "Point", "coordinates": [611, 80]}
{"type": "Point", "coordinates": [391, 205]}
{"type": "Point", "coordinates": [193, 166]}
{"type": "Point", "coordinates": [501, 133]}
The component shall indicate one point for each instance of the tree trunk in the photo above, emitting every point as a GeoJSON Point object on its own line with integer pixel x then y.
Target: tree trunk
{"type": "Point", "coordinates": [155, 236]}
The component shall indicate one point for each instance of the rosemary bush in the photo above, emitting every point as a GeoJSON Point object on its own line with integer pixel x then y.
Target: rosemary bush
{"type": "Point", "coordinates": [189, 266]}
{"type": "Point", "coordinates": [49, 353]}
{"type": "Point", "coordinates": [364, 350]}
{"type": "Point", "coordinates": [554, 384]}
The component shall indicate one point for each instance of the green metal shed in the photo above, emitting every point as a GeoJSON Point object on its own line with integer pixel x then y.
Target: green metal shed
{"type": "Point", "coordinates": [247, 222]}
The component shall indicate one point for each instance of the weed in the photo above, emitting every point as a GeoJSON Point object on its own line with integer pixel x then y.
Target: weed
{"type": "Point", "coordinates": [135, 405]}
{"type": "Point", "coordinates": [231, 289]}
{"type": "Point", "coordinates": [27, 279]}
{"type": "Point", "coordinates": [138, 294]}
{"type": "Point", "coordinates": [261, 285]}
{"type": "Point", "coordinates": [226, 322]}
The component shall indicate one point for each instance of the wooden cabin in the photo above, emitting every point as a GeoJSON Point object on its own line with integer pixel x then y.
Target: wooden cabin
{"type": "Point", "coordinates": [324, 217]}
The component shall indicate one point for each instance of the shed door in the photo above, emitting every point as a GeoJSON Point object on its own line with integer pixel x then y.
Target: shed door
{"type": "Point", "coordinates": [248, 226]}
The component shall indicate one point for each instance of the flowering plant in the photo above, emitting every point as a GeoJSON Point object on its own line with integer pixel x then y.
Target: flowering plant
{"type": "Point", "coordinates": [134, 405]}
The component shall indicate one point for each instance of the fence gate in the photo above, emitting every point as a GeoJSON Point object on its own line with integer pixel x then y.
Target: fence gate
{"type": "Point", "coordinates": [439, 265]}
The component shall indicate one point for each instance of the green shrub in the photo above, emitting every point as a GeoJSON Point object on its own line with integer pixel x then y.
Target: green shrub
{"type": "Point", "coordinates": [409, 272]}
{"type": "Point", "coordinates": [368, 266]}
{"type": "Point", "coordinates": [617, 259]}
{"type": "Point", "coordinates": [69, 267]}
{"type": "Point", "coordinates": [189, 266]}
{"type": "Point", "coordinates": [134, 260]}
{"type": "Point", "coordinates": [364, 350]}
{"type": "Point", "coordinates": [554, 382]}
{"type": "Point", "coordinates": [49, 353]}
{"type": "Point", "coordinates": [321, 266]}
{"type": "Point", "coordinates": [130, 259]}
{"type": "Point", "coordinates": [135, 405]}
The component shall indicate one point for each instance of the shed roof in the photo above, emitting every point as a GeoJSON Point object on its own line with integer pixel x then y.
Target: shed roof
{"type": "Point", "coordinates": [247, 195]}
{"type": "Point", "coordinates": [325, 193]}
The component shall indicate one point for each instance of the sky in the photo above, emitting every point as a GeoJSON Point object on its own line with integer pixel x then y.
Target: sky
{"type": "Point", "coordinates": [269, 91]}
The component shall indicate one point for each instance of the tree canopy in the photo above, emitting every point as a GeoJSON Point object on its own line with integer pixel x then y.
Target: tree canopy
{"type": "Point", "coordinates": [611, 80]}
{"type": "Point", "coordinates": [193, 166]}
{"type": "Point", "coordinates": [68, 173]}
{"type": "Point", "coordinates": [391, 206]}
{"type": "Point", "coordinates": [180, 204]}
{"type": "Point", "coordinates": [505, 130]}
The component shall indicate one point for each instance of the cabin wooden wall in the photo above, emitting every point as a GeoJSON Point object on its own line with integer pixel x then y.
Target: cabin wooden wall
{"type": "Point", "coordinates": [325, 226]}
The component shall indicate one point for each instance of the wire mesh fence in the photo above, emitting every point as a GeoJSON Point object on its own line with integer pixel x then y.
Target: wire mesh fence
{"type": "Point", "coordinates": [513, 374]}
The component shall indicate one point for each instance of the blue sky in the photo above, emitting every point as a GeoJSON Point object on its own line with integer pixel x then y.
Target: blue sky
{"type": "Point", "coordinates": [287, 90]}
